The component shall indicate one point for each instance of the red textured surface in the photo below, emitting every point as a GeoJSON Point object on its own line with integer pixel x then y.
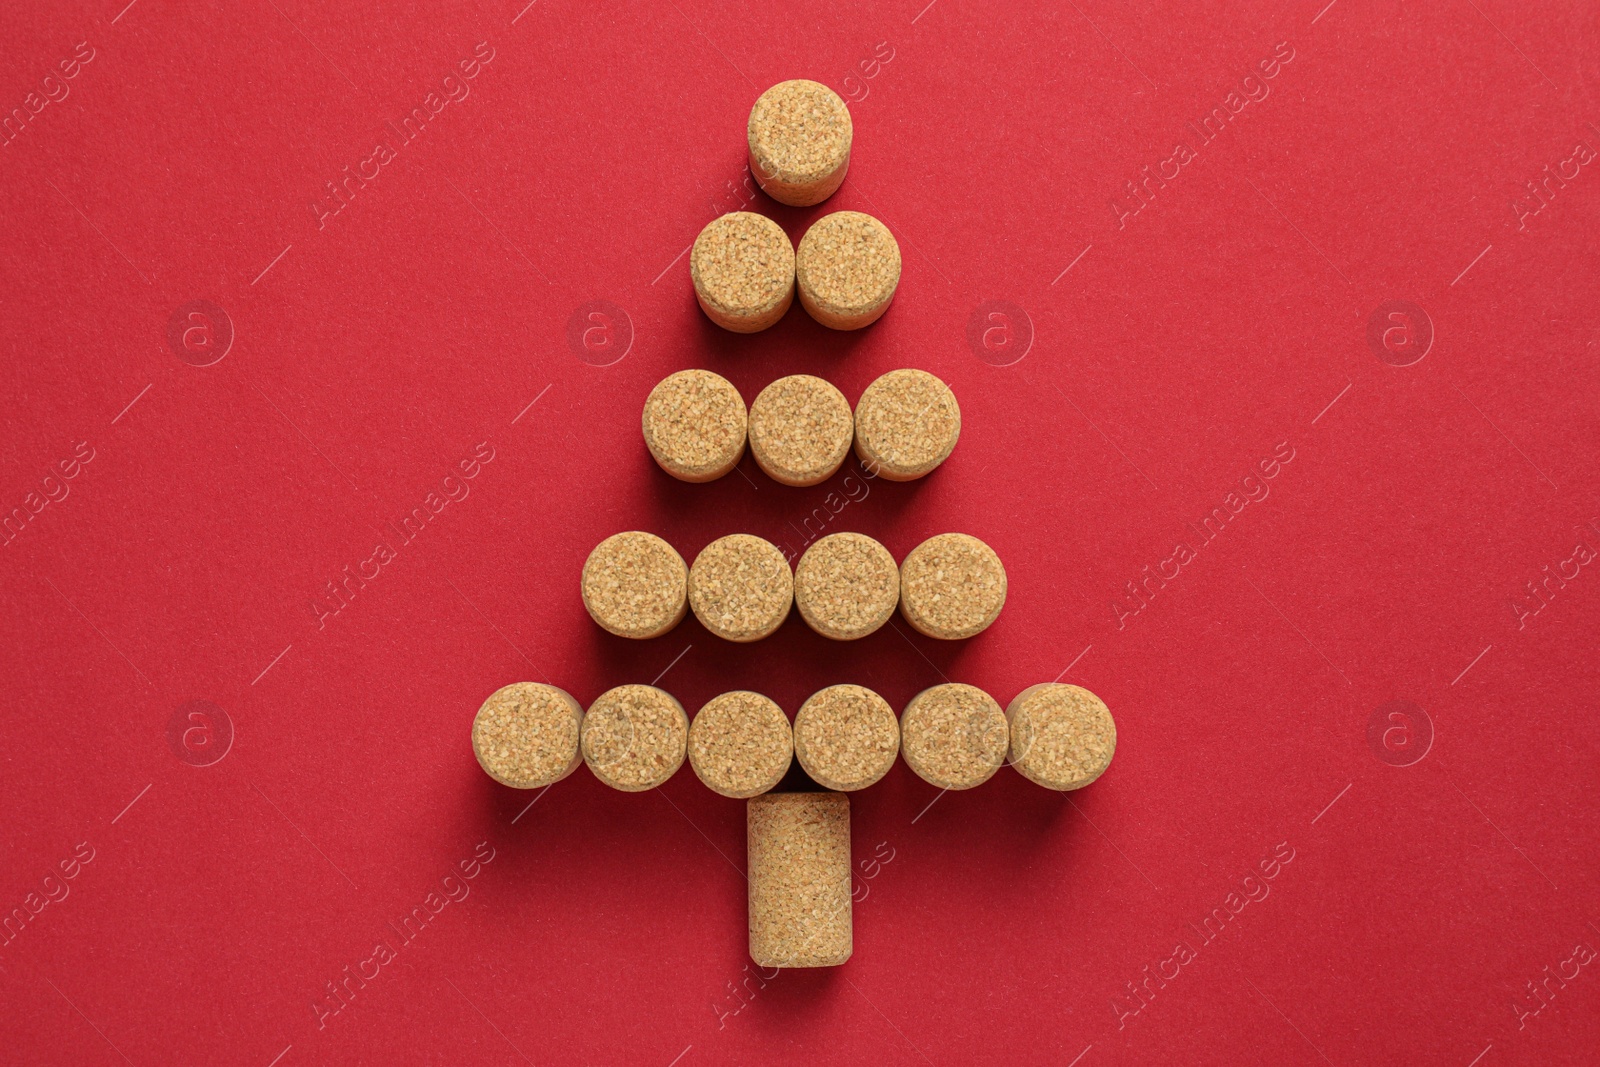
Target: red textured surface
{"type": "Point", "coordinates": [378, 347]}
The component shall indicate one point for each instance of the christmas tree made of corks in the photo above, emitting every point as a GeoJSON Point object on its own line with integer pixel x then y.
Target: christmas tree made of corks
{"type": "Point", "coordinates": [800, 429]}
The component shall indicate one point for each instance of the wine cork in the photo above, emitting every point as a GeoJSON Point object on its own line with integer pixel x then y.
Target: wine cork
{"type": "Point", "coordinates": [1062, 736]}
{"type": "Point", "coordinates": [952, 586]}
{"type": "Point", "coordinates": [799, 134]}
{"type": "Point", "coordinates": [799, 870]}
{"type": "Point", "coordinates": [954, 736]}
{"type": "Point", "coordinates": [742, 266]}
{"type": "Point", "coordinates": [740, 587]}
{"type": "Point", "coordinates": [635, 737]}
{"type": "Point", "coordinates": [635, 585]}
{"type": "Point", "coordinates": [800, 430]}
{"type": "Point", "coordinates": [847, 268]}
{"type": "Point", "coordinates": [694, 425]}
{"type": "Point", "coordinates": [846, 586]}
{"type": "Point", "coordinates": [846, 737]}
{"type": "Point", "coordinates": [526, 735]}
{"type": "Point", "coordinates": [740, 744]}
{"type": "Point", "coordinates": [907, 423]}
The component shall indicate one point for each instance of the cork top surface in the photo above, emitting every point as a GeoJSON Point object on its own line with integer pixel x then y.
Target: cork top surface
{"type": "Point", "coordinates": [1062, 736]}
{"type": "Point", "coordinates": [526, 734]}
{"type": "Point", "coordinates": [846, 737]}
{"type": "Point", "coordinates": [742, 264]}
{"type": "Point", "coordinates": [848, 262]}
{"type": "Point", "coordinates": [952, 586]}
{"type": "Point", "coordinates": [695, 423]}
{"type": "Point", "coordinates": [799, 131]}
{"type": "Point", "coordinates": [907, 423]}
{"type": "Point", "coordinates": [846, 586]}
{"type": "Point", "coordinates": [634, 584]}
{"type": "Point", "coordinates": [635, 737]}
{"type": "Point", "coordinates": [954, 736]}
{"type": "Point", "coordinates": [801, 428]}
{"type": "Point", "coordinates": [740, 587]}
{"type": "Point", "coordinates": [740, 744]}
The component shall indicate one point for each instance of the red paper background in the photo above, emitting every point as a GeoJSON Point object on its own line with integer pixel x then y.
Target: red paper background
{"type": "Point", "coordinates": [376, 347]}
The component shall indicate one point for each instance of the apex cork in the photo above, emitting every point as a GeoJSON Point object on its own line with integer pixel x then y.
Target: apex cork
{"type": "Point", "coordinates": [799, 137]}
{"type": "Point", "coordinates": [799, 869]}
{"type": "Point", "coordinates": [695, 424]}
{"type": "Point", "coordinates": [847, 268]}
{"type": "Point", "coordinates": [635, 737]}
{"type": "Point", "coordinates": [952, 586]}
{"type": "Point", "coordinates": [742, 266]}
{"type": "Point", "coordinates": [526, 735]}
{"type": "Point", "coordinates": [846, 586]}
{"type": "Point", "coordinates": [635, 585]}
{"type": "Point", "coordinates": [846, 737]}
{"type": "Point", "coordinates": [800, 430]}
{"type": "Point", "coordinates": [740, 744]}
{"type": "Point", "coordinates": [1062, 736]}
{"type": "Point", "coordinates": [954, 736]}
{"type": "Point", "coordinates": [907, 423]}
{"type": "Point", "coordinates": [740, 587]}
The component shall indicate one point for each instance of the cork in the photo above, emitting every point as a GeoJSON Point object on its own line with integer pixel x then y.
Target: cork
{"type": "Point", "coordinates": [952, 586]}
{"type": "Point", "coordinates": [694, 425]}
{"type": "Point", "coordinates": [799, 134]}
{"type": "Point", "coordinates": [846, 586]}
{"type": "Point", "coordinates": [526, 735]}
{"type": "Point", "coordinates": [740, 587]}
{"type": "Point", "coordinates": [907, 423]}
{"type": "Point", "coordinates": [799, 869]}
{"type": "Point", "coordinates": [847, 268]}
{"type": "Point", "coordinates": [954, 736]}
{"type": "Point", "coordinates": [1062, 736]}
{"type": "Point", "coordinates": [846, 737]}
{"type": "Point", "coordinates": [800, 430]}
{"type": "Point", "coordinates": [634, 737]}
{"type": "Point", "coordinates": [740, 744]}
{"type": "Point", "coordinates": [742, 266]}
{"type": "Point", "coordinates": [635, 585]}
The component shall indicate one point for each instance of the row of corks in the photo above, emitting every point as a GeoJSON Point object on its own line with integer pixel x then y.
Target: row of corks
{"type": "Point", "coordinates": [846, 585]}
{"type": "Point", "coordinates": [800, 428]}
{"type": "Point", "coordinates": [846, 737]}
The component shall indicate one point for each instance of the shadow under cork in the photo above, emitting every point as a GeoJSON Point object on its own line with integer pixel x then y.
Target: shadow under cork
{"type": "Point", "coordinates": [796, 780]}
{"type": "Point", "coordinates": [795, 344]}
{"type": "Point", "coordinates": [790, 1003]}
{"type": "Point", "coordinates": [631, 661]}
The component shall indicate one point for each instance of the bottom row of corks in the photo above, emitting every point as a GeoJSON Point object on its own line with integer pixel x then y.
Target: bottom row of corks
{"type": "Point", "coordinates": [741, 744]}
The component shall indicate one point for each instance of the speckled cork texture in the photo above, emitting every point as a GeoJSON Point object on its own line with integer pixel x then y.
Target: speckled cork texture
{"type": "Point", "coordinates": [847, 268]}
{"type": "Point", "coordinates": [740, 587]}
{"type": "Point", "coordinates": [799, 135]}
{"type": "Point", "coordinates": [800, 430]}
{"type": "Point", "coordinates": [907, 423]}
{"type": "Point", "coordinates": [742, 266]}
{"type": "Point", "coordinates": [846, 586]}
{"type": "Point", "coordinates": [740, 744]}
{"type": "Point", "coordinates": [954, 736]}
{"type": "Point", "coordinates": [694, 425]}
{"type": "Point", "coordinates": [952, 586]}
{"type": "Point", "coordinates": [635, 737]}
{"type": "Point", "coordinates": [635, 585]}
{"type": "Point", "coordinates": [526, 735]}
{"type": "Point", "coordinates": [846, 737]}
{"type": "Point", "coordinates": [799, 870]}
{"type": "Point", "coordinates": [1062, 736]}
